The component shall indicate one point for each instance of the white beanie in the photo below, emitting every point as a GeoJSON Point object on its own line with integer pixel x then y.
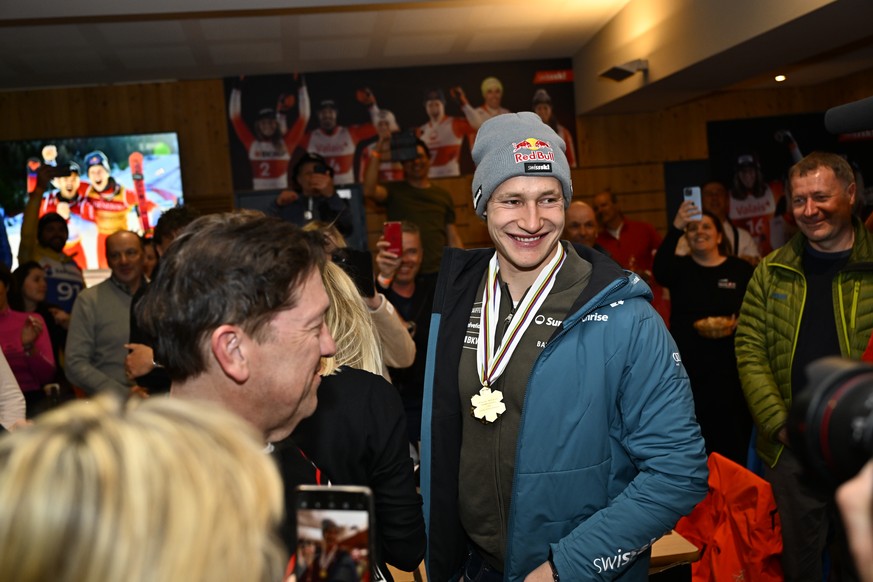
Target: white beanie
{"type": "Point", "coordinates": [517, 144]}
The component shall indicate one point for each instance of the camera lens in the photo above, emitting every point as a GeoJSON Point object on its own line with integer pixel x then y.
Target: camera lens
{"type": "Point", "coordinates": [830, 423]}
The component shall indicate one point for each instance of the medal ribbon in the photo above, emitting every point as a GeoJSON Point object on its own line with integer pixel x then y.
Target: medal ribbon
{"type": "Point", "coordinates": [490, 364]}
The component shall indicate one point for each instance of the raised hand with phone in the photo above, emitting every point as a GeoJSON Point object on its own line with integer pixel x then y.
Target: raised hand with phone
{"type": "Point", "coordinates": [688, 212]}
{"type": "Point", "coordinates": [692, 193]}
{"type": "Point", "coordinates": [390, 253]}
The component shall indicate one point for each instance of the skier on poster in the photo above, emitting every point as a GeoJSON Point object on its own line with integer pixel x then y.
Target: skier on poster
{"type": "Point", "coordinates": [338, 143]}
{"type": "Point", "coordinates": [542, 106]}
{"type": "Point", "coordinates": [271, 144]}
{"type": "Point", "coordinates": [444, 134]}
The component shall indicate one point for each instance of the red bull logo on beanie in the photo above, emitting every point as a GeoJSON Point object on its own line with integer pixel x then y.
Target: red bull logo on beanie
{"type": "Point", "coordinates": [531, 143]}
{"type": "Point", "coordinates": [535, 147]}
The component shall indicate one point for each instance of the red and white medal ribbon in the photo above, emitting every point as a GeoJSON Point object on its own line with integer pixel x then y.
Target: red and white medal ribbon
{"type": "Point", "coordinates": [491, 359]}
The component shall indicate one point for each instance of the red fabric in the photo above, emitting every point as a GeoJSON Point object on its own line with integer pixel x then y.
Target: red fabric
{"type": "Point", "coordinates": [867, 356]}
{"type": "Point", "coordinates": [736, 526]}
{"type": "Point", "coordinates": [635, 250]}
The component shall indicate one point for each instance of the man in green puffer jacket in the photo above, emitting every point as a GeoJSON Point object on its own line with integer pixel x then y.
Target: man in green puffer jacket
{"type": "Point", "coordinates": [809, 299]}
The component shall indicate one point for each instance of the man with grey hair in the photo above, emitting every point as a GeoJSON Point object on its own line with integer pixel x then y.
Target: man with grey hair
{"type": "Point", "coordinates": [810, 298]}
{"type": "Point", "coordinates": [237, 312]}
{"type": "Point", "coordinates": [559, 437]}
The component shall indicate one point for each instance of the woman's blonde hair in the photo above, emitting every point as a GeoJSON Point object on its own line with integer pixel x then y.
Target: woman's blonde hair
{"type": "Point", "coordinates": [163, 490]}
{"type": "Point", "coordinates": [350, 324]}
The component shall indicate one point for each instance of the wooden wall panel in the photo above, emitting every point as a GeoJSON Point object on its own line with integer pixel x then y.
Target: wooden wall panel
{"type": "Point", "coordinates": [623, 152]}
{"type": "Point", "coordinates": [627, 152]}
{"type": "Point", "coordinates": [195, 110]}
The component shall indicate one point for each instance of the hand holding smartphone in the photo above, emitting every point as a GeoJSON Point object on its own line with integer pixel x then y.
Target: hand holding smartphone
{"type": "Point", "coordinates": [693, 193]}
{"type": "Point", "coordinates": [404, 146]}
{"type": "Point", "coordinates": [393, 233]}
{"type": "Point", "coordinates": [335, 537]}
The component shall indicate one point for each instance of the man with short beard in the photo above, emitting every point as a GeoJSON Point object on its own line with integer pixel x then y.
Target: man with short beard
{"type": "Point", "coordinates": [412, 295]}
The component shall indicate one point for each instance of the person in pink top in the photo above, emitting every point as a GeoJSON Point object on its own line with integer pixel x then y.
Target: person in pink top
{"type": "Point", "coordinates": [26, 346]}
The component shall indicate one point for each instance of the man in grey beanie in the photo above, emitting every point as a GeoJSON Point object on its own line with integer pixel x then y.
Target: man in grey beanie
{"type": "Point", "coordinates": [558, 430]}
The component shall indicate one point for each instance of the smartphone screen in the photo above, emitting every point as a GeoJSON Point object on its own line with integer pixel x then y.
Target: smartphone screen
{"type": "Point", "coordinates": [393, 233]}
{"type": "Point", "coordinates": [334, 534]}
{"type": "Point", "coordinates": [693, 193]}
{"type": "Point", "coordinates": [404, 146]}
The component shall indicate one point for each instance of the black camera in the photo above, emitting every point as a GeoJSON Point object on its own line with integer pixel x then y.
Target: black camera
{"type": "Point", "coordinates": [404, 146]}
{"type": "Point", "coordinates": [830, 424]}
{"type": "Point", "coordinates": [359, 266]}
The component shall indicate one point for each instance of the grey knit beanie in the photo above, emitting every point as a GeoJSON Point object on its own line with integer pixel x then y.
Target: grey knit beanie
{"type": "Point", "coordinates": [517, 144]}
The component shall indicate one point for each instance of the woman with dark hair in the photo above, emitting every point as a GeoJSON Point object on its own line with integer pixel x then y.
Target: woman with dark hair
{"type": "Point", "coordinates": [26, 345]}
{"type": "Point", "coordinates": [706, 291]}
{"type": "Point", "coordinates": [28, 294]}
{"type": "Point", "coordinates": [149, 256]}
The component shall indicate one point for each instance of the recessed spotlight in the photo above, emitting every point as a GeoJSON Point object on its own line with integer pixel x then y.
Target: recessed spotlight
{"type": "Point", "coordinates": [779, 78]}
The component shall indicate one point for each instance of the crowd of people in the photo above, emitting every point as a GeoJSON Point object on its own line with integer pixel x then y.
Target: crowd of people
{"type": "Point", "coordinates": [539, 410]}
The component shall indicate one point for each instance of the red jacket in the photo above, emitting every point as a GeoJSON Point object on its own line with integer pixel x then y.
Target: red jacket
{"type": "Point", "coordinates": [736, 526]}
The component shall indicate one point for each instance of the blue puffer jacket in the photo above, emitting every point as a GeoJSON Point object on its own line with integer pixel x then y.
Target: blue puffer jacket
{"type": "Point", "coordinates": [609, 453]}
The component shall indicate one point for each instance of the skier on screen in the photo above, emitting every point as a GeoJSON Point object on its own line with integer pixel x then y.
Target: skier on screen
{"type": "Point", "coordinates": [107, 202]}
{"type": "Point", "coordinates": [67, 202]}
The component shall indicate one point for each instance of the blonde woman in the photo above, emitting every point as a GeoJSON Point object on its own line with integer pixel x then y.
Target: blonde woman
{"type": "Point", "coordinates": [146, 491]}
{"type": "Point", "coordinates": [357, 435]}
{"type": "Point", "coordinates": [394, 341]}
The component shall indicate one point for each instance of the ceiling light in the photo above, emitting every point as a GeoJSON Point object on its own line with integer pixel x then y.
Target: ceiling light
{"type": "Point", "coordinates": [622, 72]}
{"type": "Point", "coordinates": [779, 78]}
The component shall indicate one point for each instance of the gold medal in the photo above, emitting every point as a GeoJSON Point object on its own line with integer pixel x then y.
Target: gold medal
{"type": "Point", "coordinates": [493, 357]}
{"type": "Point", "coordinates": [487, 405]}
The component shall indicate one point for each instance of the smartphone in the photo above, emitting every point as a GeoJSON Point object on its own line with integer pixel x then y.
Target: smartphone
{"type": "Point", "coordinates": [693, 193]}
{"type": "Point", "coordinates": [335, 535]}
{"type": "Point", "coordinates": [404, 146]}
{"type": "Point", "coordinates": [393, 233]}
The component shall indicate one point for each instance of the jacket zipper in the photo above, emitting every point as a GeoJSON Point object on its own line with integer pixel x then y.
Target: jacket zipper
{"type": "Point", "coordinates": [797, 328]}
{"type": "Point", "coordinates": [513, 499]}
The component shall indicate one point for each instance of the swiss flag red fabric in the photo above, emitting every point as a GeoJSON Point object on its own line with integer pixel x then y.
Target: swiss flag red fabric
{"type": "Point", "coordinates": [736, 526]}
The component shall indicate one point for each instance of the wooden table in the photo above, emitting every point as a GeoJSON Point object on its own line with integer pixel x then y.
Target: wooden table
{"type": "Point", "coordinates": [672, 550]}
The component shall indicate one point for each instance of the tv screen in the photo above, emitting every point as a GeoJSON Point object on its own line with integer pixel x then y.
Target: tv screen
{"type": "Point", "coordinates": [113, 183]}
